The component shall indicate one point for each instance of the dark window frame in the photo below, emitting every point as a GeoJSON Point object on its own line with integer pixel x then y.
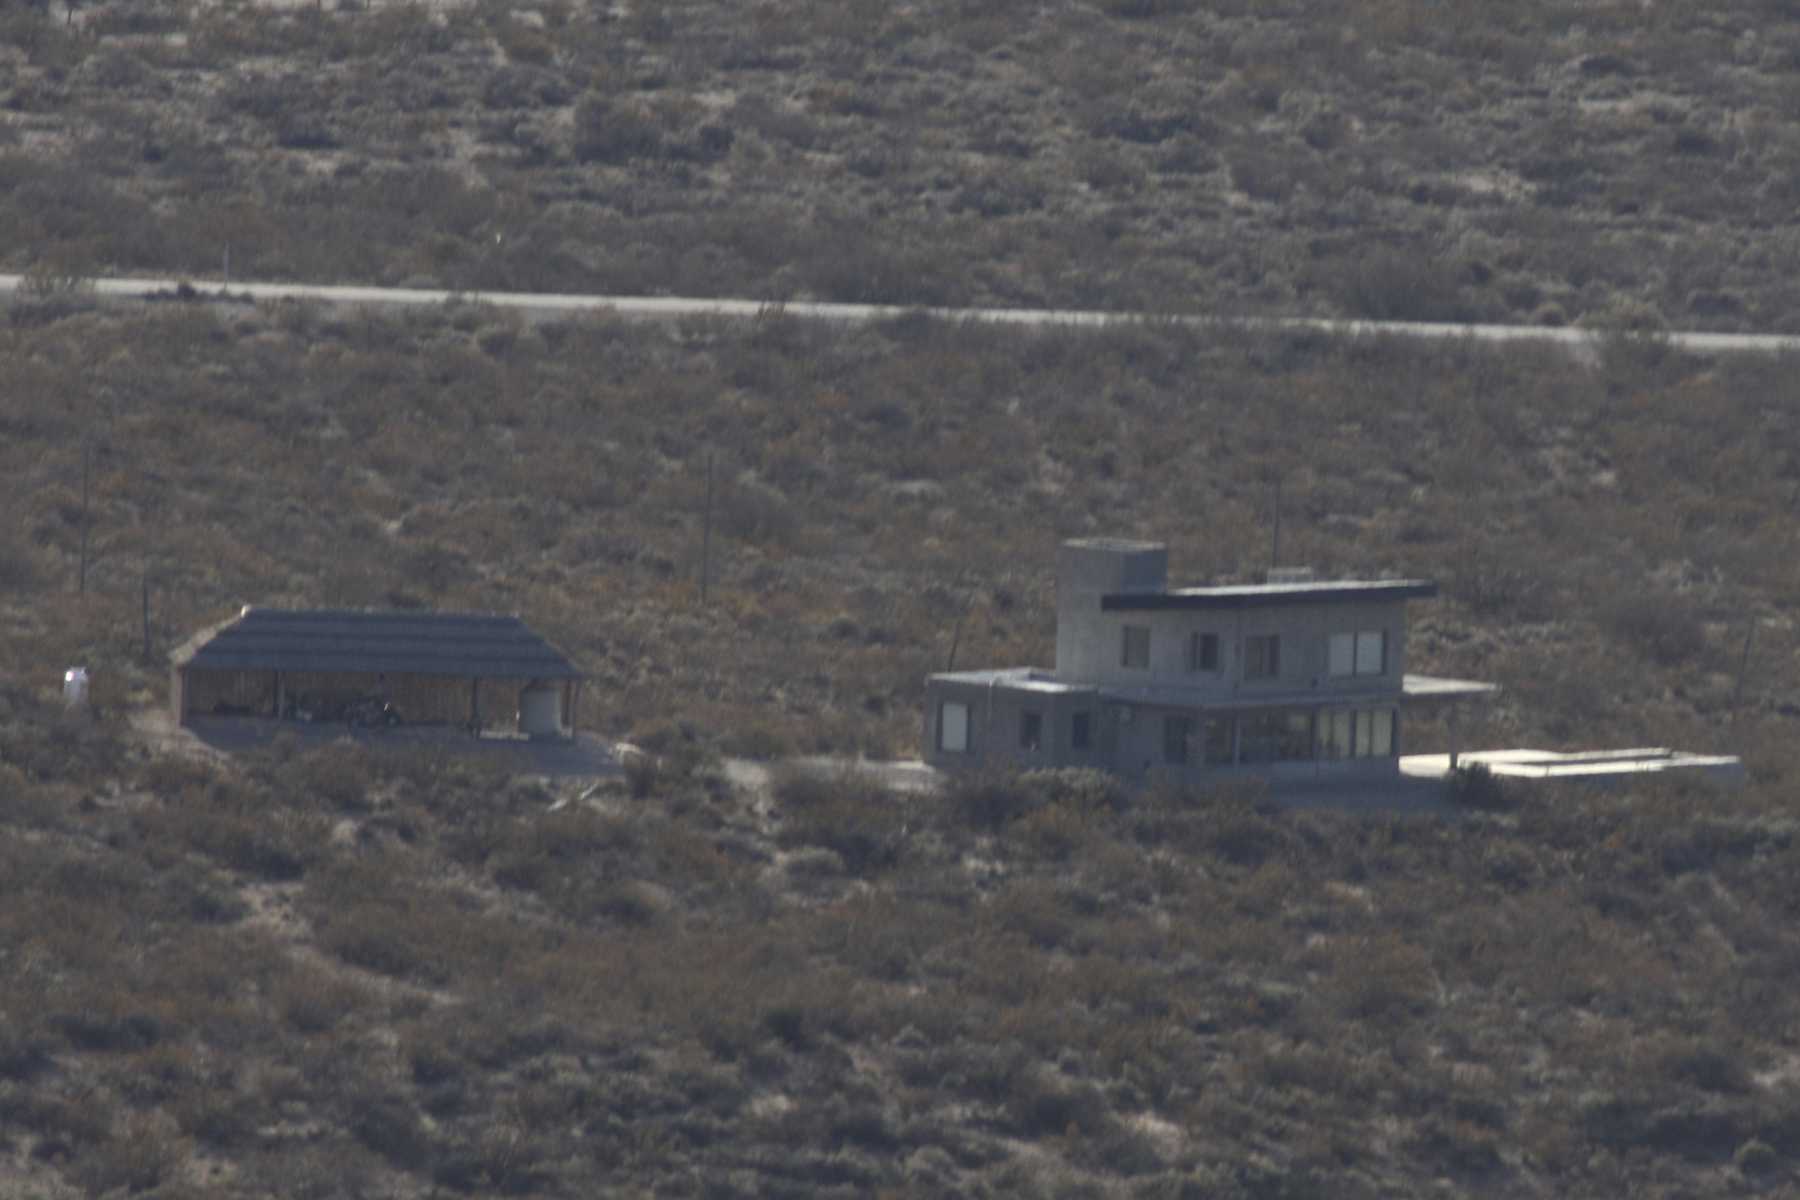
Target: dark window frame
{"type": "Point", "coordinates": [1134, 638]}
{"type": "Point", "coordinates": [1203, 652]}
{"type": "Point", "coordinates": [1262, 656]}
{"type": "Point", "coordinates": [1081, 730]}
{"type": "Point", "coordinates": [1031, 730]}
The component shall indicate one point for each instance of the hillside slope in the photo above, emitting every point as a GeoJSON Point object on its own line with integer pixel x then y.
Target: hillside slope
{"type": "Point", "coordinates": [349, 969]}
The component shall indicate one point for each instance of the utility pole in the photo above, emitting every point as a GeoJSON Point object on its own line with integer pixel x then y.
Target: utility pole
{"type": "Point", "coordinates": [1275, 532]}
{"type": "Point", "coordinates": [1737, 693]}
{"type": "Point", "coordinates": [146, 606]}
{"type": "Point", "coordinates": [706, 532]}
{"type": "Point", "coordinates": [87, 451]}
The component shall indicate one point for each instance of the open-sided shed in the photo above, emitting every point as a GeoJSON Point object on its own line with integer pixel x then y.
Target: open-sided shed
{"type": "Point", "coordinates": [433, 667]}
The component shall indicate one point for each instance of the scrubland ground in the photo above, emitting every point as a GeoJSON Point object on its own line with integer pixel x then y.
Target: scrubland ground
{"type": "Point", "coordinates": [1603, 161]}
{"type": "Point", "coordinates": [357, 970]}
{"type": "Point", "coordinates": [341, 970]}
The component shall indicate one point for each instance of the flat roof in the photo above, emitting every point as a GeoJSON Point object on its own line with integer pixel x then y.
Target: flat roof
{"type": "Point", "coordinates": [1435, 687]}
{"type": "Point", "coordinates": [366, 641]}
{"type": "Point", "coordinates": [1027, 679]}
{"type": "Point", "coordinates": [1258, 595]}
{"type": "Point", "coordinates": [1588, 765]}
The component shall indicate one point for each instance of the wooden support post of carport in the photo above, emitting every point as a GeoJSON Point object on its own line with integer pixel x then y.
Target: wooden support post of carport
{"type": "Point", "coordinates": [1454, 710]}
{"type": "Point", "coordinates": [475, 705]}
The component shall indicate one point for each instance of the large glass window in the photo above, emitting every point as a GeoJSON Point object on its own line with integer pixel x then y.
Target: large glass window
{"type": "Point", "coordinates": [1135, 651]}
{"type": "Point", "coordinates": [1262, 656]}
{"type": "Point", "coordinates": [1277, 737]}
{"type": "Point", "coordinates": [1336, 735]}
{"type": "Point", "coordinates": [1356, 733]}
{"type": "Point", "coordinates": [1080, 730]}
{"type": "Point", "coordinates": [1381, 732]}
{"type": "Point", "coordinates": [953, 727]}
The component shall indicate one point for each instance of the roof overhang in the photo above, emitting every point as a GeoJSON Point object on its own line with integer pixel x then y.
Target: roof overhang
{"type": "Point", "coordinates": [1266, 595]}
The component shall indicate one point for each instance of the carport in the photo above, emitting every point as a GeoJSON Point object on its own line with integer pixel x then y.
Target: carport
{"type": "Point", "coordinates": [466, 669]}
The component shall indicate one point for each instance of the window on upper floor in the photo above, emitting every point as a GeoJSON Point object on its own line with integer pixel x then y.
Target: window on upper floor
{"type": "Point", "coordinates": [1135, 648]}
{"type": "Point", "coordinates": [1203, 652]}
{"type": "Point", "coordinates": [1262, 656]}
{"type": "Point", "coordinates": [1363, 652]}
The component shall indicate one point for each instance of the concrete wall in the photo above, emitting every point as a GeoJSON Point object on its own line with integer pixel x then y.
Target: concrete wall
{"type": "Point", "coordinates": [1093, 642]}
{"type": "Point", "coordinates": [996, 718]}
{"type": "Point", "coordinates": [1085, 571]}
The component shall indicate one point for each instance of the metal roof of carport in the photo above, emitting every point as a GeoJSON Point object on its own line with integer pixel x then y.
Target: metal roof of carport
{"type": "Point", "coordinates": [465, 645]}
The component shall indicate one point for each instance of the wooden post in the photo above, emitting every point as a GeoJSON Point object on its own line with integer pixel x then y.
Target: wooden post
{"type": "Point", "coordinates": [1454, 709]}
{"type": "Point", "coordinates": [475, 706]}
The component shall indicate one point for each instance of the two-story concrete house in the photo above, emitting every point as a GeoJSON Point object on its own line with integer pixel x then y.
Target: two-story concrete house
{"type": "Point", "coordinates": [1294, 678]}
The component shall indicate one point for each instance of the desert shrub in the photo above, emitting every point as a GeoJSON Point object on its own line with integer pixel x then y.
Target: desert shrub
{"type": "Point", "coordinates": [1475, 786]}
{"type": "Point", "coordinates": [845, 812]}
{"type": "Point", "coordinates": [388, 1125]}
{"type": "Point", "coordinates": [137, 1158]}
{"type": "Point", "coordinates": [1662, 628]}
{"type": "Point", "coordinates": [1398, 285]}
{"type": "Point", "coordinates": [613, 131]}
{"type": "Point", "coordinates": [1381, 978]}
{"type": "Point", "coordinates": [1041, 1106]}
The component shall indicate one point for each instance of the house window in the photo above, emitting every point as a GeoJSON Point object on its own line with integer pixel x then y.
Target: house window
{"type": "Point", "coordinates": [1371, 652]}
{"type": "Point", "coordinates": [1080, 730]}
{"type": "Point", "coordinates": [1381, 733]}
{"type": "Point", "coordinates": [1136, 650]}
{"type": "Point", "coordinates": [1262, 656]}
{"type": "Point", "coordinates": [1031, 730]}
{"type": "Point", "coordinates": [953, 728]}
{"type": "Point", "coordinates": [1361, 653]}
{"type": "Point", "coordinates": [1336, 733]}
{"type": "Point", "coordinates": [1356, 733]}
{"type": "Point", "coordinates": [1203, 652]}
{"type": "Point", "coordinates": [1217, 744]}
{"type": "Point", "coordinates": [1278, 737]}
{"type": "Point", "coordinates": [1177, 733]}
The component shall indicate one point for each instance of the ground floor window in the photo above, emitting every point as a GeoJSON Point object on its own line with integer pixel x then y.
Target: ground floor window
{"type": "Point", "coordinates": [1276, 737]}
{"type": "Point", "coordinates": [953, 727]}
{"type": "Point", "coordinates": [1218, 742]}
{"type": "Point", "coordinates": [1178, 732]}
{"type": "Point", "coordinates": [1356, 733]}
{"type": "Point", "coordinates": [1080, 730]}
{"type": "Point", "coordinates": [1031, 730]}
